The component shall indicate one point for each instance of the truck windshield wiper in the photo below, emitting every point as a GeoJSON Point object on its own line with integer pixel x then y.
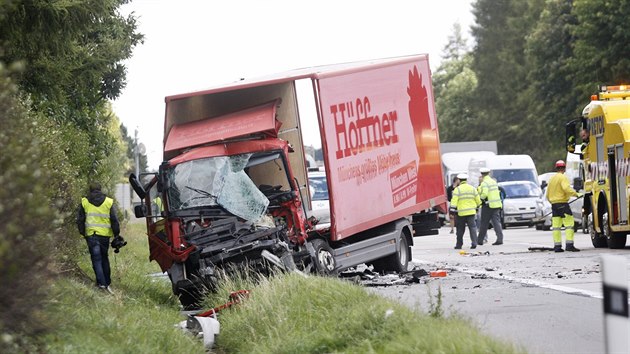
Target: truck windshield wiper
{"type": "Point", "coordinates": [201, 191]}
{"type": "Point", "coordinates": [204, 194]}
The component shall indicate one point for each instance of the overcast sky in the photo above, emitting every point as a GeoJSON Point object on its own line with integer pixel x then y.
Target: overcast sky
{"type": "Point", "coordinates": [192, 45]}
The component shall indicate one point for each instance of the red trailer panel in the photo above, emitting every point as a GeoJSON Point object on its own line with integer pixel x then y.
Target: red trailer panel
{"type": "Point", "coordinates": [382, 144]}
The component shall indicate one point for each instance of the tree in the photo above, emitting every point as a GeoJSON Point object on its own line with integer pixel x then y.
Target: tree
{"type": "Point", "coordinates": [552, 94]}
{"type": "Point", "coordinates": [454, 84]}
{"type": "Point", "coordinates": [73, 51]}
{"type": "Point", "coordinates": [500, 64]}
{"type": "Point", "coordinates": [601, 51]}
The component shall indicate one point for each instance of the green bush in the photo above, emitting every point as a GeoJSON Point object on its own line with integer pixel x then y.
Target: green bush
{"type": "Point", "coordinates": [28, 223]}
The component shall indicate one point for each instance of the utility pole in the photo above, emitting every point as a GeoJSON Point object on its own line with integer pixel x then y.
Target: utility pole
{"type": "Point", "coordinates": [136, 152]}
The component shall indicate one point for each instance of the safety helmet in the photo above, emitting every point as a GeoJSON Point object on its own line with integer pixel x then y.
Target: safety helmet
{"type": "Point", "coordinates": [484, 170]}
{"type": "Point", "coordinates": [560, 163]}
{"type": "Point", "coordinates": [462, 176]}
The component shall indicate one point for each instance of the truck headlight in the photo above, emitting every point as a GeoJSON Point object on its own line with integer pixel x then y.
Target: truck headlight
{"type": "Point", "coordinates": [510, 209]}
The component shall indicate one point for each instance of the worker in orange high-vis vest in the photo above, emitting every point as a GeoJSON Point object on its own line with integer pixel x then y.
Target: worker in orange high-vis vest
{"type": "Point", "coordinates": [98, 223]}
{"type": "Point", "coordinates": [558, 193]}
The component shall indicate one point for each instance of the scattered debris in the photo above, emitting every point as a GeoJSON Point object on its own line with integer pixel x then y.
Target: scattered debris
{"type": "Point", "coordinates": [490, 269]}
{"type": "Point", "coordinates": [438, 273]}
{"type": "Point", "coordinates": [540, 248]}
{"type": "Point", "coordinates": [367, 277]}
{"type": "Point", "coordinates": [206, 325]}
{"type": "Point", "coordinates": [474, 254]}
{"type": "Point", "coordinates": [479, 276]}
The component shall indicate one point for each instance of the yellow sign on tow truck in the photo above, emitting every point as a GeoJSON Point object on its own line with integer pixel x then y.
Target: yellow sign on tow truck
{"type": "Point", "coordinates": [605, 134]}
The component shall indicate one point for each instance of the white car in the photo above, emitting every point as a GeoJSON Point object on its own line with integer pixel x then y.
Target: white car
{"type": "Point", "coordinates": [319, 198]}
{"type": "Point", "coordinates": [523, 203]}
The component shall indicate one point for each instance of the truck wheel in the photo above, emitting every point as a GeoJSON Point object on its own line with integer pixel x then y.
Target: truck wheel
{"type": "Point", "coordinates": [598, 239]}
{"type": "Point", "coordinates": [585, 224]}
{"type": "Point", "coordinates": [397, 262]}
{"type": "Point", "coordinates": [324, 257]}
{"type": "Point", "coordinates": [615, 239]}
{"type": "Point", "coordinates": [189, 293]}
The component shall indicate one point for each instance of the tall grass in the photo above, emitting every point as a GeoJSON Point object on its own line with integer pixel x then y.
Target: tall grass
{"type": "Point", "coordinates": [284, 313]}
{"type": "Point", "coordinates": [296, 314]}
{"type": "Point", "coordinates": [139, 318]}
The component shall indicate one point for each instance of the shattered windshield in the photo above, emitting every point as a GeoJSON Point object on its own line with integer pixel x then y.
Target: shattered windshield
{"type": "Point", "coordinates": [216, 182]}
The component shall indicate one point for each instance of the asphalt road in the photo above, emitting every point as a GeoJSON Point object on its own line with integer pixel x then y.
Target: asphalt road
{"type": "Point", "coordinates": [543, 301]}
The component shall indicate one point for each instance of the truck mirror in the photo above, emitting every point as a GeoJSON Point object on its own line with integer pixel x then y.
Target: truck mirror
{"type": "Point", "coordinates": [578, 184]}
{"type": "Point", "coordinates": [543, 185]}
{"type": "Point", "coordinates": [137, 187]}
{"type": "Point", "coordinates": [571, 136]}
{"type": "Point", "coordinates": [140, 211]}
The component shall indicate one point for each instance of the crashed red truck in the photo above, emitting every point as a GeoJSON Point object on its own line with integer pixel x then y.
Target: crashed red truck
{"type": "Point", "coordinates": [233, 186]}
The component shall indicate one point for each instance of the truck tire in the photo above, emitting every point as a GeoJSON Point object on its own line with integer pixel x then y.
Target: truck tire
{"type": "Point", "coordinates": [324, 257]}
{"type": "Point", "coordinates": [598, 239]}
{"type": "Point", "coordinates": [615, 240]}
{"type": "Point", "coordinates": [397, 262]}
{"type": "Point", "coordinates": [189, 293]}
{"type": "Point", "coordinates": [585, 224]}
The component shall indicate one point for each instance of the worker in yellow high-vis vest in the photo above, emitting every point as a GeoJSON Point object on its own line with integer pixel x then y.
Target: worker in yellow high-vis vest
{"type": "Point", "coordinates": [491, 208]}
{"type": "Point", "coordinates": [558, 193]}
{"type": "Point", "coordinates": [98, 223]}
{"type": "Point", "coordinates": [465, 201]}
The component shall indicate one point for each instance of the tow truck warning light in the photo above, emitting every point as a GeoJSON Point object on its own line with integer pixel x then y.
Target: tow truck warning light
{"type": "Point", "coordinates": [606, 88]}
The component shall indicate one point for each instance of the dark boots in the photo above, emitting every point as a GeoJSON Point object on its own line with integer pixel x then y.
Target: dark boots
{"type": "Point", "coordinates": [571, 248]}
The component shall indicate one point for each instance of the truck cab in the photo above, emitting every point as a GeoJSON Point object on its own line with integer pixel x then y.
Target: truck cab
{"type": "Point", "coordinates": [605, 139]}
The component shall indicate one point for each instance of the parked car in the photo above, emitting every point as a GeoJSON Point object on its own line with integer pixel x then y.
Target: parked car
{"type": "Point", "coordinates": [523, 203]}
{"type": "Point", "coordinates": [544, 178]}
{"type": "Point", "coordinates": [319, 198]}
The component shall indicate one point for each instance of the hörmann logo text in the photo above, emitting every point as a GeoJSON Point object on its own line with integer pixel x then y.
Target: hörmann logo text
{"type": "Point", "coordinates": [366, 131]}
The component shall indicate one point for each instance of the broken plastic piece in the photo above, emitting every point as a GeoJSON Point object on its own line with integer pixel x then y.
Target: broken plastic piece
{"type": "Point", "coordinates": [438, 273]}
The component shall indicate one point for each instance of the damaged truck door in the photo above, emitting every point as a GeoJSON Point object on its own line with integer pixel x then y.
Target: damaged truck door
{"type": "Point", "coordinates": [233, 188]}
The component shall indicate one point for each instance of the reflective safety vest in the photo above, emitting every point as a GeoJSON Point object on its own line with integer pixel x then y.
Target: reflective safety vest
{"type": "Point", "coordinates": [97, 218]}
{"type": "Point", "coordinates": [559, 190]}
{"type": "Point", "coordinates": [489, 192]}
{"type": "Point", "coordinates": [465, 199]}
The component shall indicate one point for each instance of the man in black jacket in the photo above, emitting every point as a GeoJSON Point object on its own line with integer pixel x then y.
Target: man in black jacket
{"type": "Point", "coordinates": [98, 223]}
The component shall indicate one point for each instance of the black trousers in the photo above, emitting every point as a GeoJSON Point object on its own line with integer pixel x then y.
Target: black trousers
{"type": "Point", "coordinates": [461, 222]}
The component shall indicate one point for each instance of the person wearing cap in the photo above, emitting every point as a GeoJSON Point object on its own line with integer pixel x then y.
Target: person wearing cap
{"type": "Point", "coordinates": [558, 193]}
{"type": "Point", "coordinates": [465, 201]}
{"type": "Point", "coordinates": [491, 209]}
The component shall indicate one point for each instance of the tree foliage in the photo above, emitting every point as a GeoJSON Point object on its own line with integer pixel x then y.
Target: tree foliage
{"type": "Point", "coordinates": [535, 64]}
{"type": "Point", "coordinates": [28, 224]}
{"type": "Point", "coordinates": [58, 133]}
{"type": "Point", "coordinates": [454, 83]}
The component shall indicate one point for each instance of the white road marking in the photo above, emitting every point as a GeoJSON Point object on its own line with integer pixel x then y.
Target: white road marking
{"type": "Point", "coordinates": [540, 284]}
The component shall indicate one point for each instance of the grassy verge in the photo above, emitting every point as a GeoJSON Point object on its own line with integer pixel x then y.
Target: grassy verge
{"type": "Point", "coordinates": [296, 314]}
{"type": "Point", "coordinates": [139, 318]}
{"type": "Point", "coordinates": [285, 313]}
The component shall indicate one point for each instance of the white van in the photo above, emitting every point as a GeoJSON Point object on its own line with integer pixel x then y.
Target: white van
{"type": "Point", "coordinates": [454, 163]}
{"type": "Point", "coordinates": [504, 168]}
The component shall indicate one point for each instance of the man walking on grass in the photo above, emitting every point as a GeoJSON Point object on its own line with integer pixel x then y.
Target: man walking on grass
{"type": "Point", "coordinates": [98, 223]}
